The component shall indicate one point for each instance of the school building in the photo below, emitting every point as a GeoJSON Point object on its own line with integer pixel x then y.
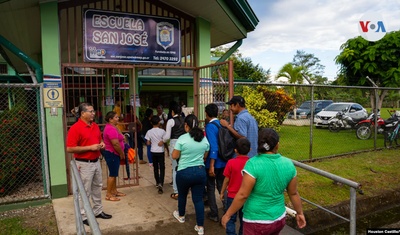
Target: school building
{"type": "Point", "coordinates": [57, 54]}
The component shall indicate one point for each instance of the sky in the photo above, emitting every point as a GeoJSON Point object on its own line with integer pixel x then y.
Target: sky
{"type": "Point", "coordinates": [318, 27]}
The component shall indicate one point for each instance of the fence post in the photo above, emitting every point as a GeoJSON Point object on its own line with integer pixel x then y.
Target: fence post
{"type": "Point", "coordinates": [353, 211]}
{"type": "Point", "coordinates": [311, 122]}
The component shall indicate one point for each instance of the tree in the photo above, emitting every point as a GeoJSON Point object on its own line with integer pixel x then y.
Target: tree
{"type": "Point", "coordinates": [243, 66]}
{"type": "Point", "coordinates": [310, 64]}
{"type": "Point", "coordinates": [378, 60]}
{"type": "Point", "coordinates": [294, 75]}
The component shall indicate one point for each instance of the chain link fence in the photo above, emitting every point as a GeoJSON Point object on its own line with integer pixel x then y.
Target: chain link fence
{"type": "Point", "coordinates": [301, 139]}
{"type": "Point", "coordinates": [23, 162]}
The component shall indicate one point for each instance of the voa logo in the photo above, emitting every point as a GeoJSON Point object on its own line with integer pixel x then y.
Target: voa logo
{"type": "Point", "coordinates": [371, 27]}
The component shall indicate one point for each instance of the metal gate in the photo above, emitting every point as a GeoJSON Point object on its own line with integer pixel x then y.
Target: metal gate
{"type": "Point", "coordinates": [104, 88]}
{"type": "Point", "coordinates": [24, 173]}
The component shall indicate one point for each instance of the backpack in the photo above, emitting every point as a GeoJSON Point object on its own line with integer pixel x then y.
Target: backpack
{"type": "Point", "coordinates": [226, 143]}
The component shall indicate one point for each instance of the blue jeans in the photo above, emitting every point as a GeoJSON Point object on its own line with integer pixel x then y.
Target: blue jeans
{"type": "Point", "coordinates": [212, 183]}
{"type": "Point", "coordinates": [230, 226]}
{"type": "Point", "coordinates": [149, 154]}
{"type": "Point", "coordinates": [193, 178]}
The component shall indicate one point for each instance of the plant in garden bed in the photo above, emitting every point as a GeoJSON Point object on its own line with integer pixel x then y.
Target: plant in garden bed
{"type": "Point", "coordinates": [267, 106]}
{"type": "Point", "coordinates": [19, 148]}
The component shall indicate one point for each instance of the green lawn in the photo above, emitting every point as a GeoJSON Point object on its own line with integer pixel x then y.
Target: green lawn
{"type": "Point", "coordinates": [295, 142]}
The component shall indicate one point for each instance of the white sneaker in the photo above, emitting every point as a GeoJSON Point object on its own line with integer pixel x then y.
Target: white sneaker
{"type": "Point", "coordinates": [199, 230]}
{"type": "Point", "coordinates": [181, 219]}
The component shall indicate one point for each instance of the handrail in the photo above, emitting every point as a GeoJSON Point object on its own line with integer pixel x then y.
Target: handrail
{"type": "Point", "coordinates": [353, 193]}
{"type": "Point", "coordinates": [78, 189]}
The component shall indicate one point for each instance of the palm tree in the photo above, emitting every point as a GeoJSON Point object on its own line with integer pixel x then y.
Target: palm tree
{"type": "Point", "coordinates": [293, 74]}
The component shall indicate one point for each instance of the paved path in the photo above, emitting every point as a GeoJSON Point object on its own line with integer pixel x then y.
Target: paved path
{"type": "Point", "coordinates": [142, 211]}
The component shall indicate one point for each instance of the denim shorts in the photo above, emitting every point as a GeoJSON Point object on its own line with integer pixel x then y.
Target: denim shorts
{"type": "Point", "coordinates": [113, 162]}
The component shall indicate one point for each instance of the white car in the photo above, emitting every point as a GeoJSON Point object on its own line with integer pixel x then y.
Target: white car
{"type": "Point", "coordinates": [354, 110]}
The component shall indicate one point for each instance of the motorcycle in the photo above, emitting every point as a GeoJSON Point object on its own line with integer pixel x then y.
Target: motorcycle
{"type": "Point", "coordinates": [341, 121]}
{"type": "Point", "coordinates": [365, 127]}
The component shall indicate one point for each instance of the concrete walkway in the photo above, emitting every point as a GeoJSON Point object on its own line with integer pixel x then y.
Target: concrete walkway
{"type": "Point", "coordinates": [142, 211]}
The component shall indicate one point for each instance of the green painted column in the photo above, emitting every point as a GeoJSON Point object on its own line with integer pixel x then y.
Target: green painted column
{"type": "Point", "coordinates": [203, 49]}
{"type": "Point", "coordinates": [54, 124]}
{"type": "Point", "coordinates": [203, 46]}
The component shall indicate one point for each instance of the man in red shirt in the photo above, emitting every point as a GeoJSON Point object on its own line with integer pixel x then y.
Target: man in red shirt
{"type": "Point", "coordinates": [84, 141]}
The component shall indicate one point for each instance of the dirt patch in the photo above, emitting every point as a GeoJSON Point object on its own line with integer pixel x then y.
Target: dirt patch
{"type": "Point", "coordinates": [39, 218]}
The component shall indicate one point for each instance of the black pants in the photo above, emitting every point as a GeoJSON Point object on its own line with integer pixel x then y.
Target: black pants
{"type": "Point", "coordinates": [159, 167]}
{"type": "Point", "coordinates": [218, 180]}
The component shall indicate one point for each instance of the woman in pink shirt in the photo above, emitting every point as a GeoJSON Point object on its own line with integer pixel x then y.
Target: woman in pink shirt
{"type": "Point", "coordinates": [114, 153]}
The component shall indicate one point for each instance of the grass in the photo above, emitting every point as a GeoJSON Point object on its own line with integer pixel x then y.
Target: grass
{"type": "Point", "coordinates": [295, 142]}
{"type": "Point", "coordinates": [376, 171]}
{"type": "Point", "coordinates": [14, 226]}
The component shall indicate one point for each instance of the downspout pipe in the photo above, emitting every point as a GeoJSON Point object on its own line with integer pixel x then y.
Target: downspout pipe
{"type": "Point", "coordinates": [15, 50]}
{"type": "Point", "coordinates": [230, 51]}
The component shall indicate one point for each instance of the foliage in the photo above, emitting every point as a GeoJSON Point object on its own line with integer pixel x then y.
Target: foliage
{"type": "Point", "coordinates": [255, 104]}
{"type": "Point", "coordinates": [268, 107]}
{"type": "Point", "coordinates": [19, 151]}
{"type": "Point", "coordinates": [292, 73]}
{"type": "Point", "coordinates": [245, 69]}
{"type": "Point", "coordinates": [277, 101]}
{"type": "Point", "coordinates": [378, 60]}
{"type": "Point", "coordinates": [309, 63]}
{"type": "Point", "coordinates": [243, 66]}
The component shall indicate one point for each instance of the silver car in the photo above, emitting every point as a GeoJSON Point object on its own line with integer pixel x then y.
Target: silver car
{"type": "Point", "coordinates": [354, 110]}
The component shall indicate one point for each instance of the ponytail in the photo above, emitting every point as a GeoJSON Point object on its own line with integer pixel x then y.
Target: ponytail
{"type": "Point", "coordinates": [194, 131]}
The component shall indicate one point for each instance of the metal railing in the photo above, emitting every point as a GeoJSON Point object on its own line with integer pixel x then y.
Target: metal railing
{"type": "Point", "coordinates": [353, 192]}
{"type": "Point", "coordinates": [79, 190]}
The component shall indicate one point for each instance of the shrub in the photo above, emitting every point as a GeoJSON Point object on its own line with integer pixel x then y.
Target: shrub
{"type": "Point", "coordinates": [19, 148]}
{"type": "Point", "coordinates": [277, 101]}
{"type": "Point", "coordinates": [255, 104]}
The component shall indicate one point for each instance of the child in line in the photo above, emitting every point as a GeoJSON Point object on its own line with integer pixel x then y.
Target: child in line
{"type": "Point", "coordinates": [126, 149]}
{"type": "Point", "coordinates": [233, 180]}
{"type": "Point", "coordinates": [154, 137]}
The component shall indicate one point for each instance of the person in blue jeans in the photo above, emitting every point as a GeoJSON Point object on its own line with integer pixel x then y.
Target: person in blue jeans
{"type": "Point", "coordinates": [233, 181]}
{"type": "Point", "coordinates": [214, 164]}
{"type": "Point", "coordinates": [191, 149]}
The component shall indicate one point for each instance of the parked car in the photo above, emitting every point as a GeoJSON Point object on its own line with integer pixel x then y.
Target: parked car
{"type": "Point", "coordinates": [354, 110]}
{"type": "Point", "coordinates": [304, 111]}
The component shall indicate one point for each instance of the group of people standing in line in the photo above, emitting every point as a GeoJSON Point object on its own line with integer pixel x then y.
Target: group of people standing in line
{"type": "Point", "coordinates": [251, 184]}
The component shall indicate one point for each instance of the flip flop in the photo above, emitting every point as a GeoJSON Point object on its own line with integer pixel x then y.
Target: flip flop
{"type": "Point", "coordinates": [119, 194]}
{"type": "Point", "coordinates": [174, 196]}
{"type": "Point", "coordinates": [113, 199]}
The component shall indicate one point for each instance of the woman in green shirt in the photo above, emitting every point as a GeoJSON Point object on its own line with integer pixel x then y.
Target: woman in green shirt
{"type": "Point", "coordinates": [265, 178]}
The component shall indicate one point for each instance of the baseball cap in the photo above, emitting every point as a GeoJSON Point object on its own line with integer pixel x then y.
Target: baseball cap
{"type": "Point", "coordinates": [236, 100]}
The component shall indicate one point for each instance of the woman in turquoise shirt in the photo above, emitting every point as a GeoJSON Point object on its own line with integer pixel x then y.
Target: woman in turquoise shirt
{"type": "Point", "coordinates": [191, 149]}
{"type": "Point", "coordinates": [265, 177]}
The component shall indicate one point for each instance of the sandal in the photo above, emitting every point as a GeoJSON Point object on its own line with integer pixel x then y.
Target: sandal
{"type": "Point", "coordinates": [119, 194]}
{"type": "Point", "coordinates": [174, 196]}
{"type": "Point", "coordinates": [113, 199]}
